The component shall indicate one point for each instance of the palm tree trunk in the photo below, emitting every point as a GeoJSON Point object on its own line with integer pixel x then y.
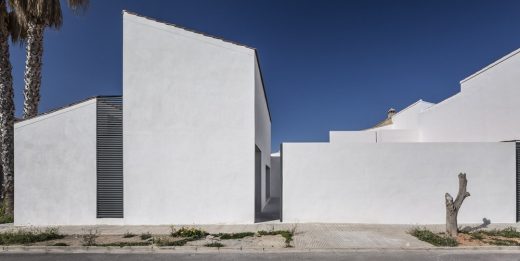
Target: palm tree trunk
{"type": "Point", "coordinates": [6, 114]}
{"type": "Point", "coordinates": [33, 69]}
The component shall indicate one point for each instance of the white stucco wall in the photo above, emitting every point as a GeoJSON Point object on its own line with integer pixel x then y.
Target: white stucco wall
{"type": "Point", "coordinates": [483, 110]}
{"type": "Point", "coordinates": [55, 166]}
{"type": "Point", "coordinates": [189, 126]}
{"type": "Point", "coordinates": [408, 118]}
{"type": "Point", "coordinates": [401, 183]}
{"type": "Point", "coordinates": [262, 128]}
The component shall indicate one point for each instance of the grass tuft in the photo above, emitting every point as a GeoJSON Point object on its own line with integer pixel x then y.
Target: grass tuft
{"type": "Point", "coordinates": [29, 236]}
{"type": "Point", "coordinates": [129, 235]}
{"type": "Point", "coordinates": [169, 242]}
{"type": "Point", "coordinates": [214, 244]}
{"type": "Point", "coordinates": [509, 232]}
{"type": "Point", "coordinates": [288, 235]}
{"type": "Point", "coordinates": [234, 235]}
{"type": "Point", "coordinates": [187, 232]}
{"type": "Point", "coordinates": [145, 236]}
{"type": "Point", "coordinates": [426, 235]}
{"type": "Point", "coordinates": [125, 244]}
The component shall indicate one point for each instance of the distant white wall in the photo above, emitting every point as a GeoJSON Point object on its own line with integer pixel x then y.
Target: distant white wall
{"type": "Point", "coordinates": [352, 136]}
{"type": "Point", "coordinates": [483, 111]}
{"type": "Point", "coordinates": [408, 118]}
{"type": "Point", "coordinates": [55, 166]}
{"type": "Point", "coordinates": [189, 126]}
{"type": "Point", "coordinates": [401, 183]}
{"type": "Point", "coordinates": [374, 136]}
{"type": "Point", "coordinates": [262, 128]}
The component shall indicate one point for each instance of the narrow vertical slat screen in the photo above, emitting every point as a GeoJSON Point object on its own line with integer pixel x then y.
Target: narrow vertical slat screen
{"type": "Point", "coordinates": [109, 157]}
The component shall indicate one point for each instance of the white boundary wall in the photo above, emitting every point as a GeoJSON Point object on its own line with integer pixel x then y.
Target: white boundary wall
{"type": "Point", "coordinates": [55, 167]}
{"type": "Point", "coordinates": [396, 183]}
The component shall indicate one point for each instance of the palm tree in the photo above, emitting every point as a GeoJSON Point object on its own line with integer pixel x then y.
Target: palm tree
{"type": "Point", "coordinates": [36, 15]}
{"type": "Point", "coordinates": [6, 110]}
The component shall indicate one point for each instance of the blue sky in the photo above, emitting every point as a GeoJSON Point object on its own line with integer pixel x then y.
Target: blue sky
{"type": "Point", "coordinates": [327, 65]}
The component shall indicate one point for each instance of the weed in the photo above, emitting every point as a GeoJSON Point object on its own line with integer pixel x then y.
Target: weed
{"type": "Point", "coordinates": [125, 244]}
{"type": "Point", "coordinates": [168, 242]}
{"type": "Point", "coordinates": [503, 242]}
{"type": "Point", "coordinates": [89, 239]}
{"type": "Point", "coordinates": [214, 244]}
{"type": "Point", "coordinates": [477, 236]}
{"type": "Point", "coordinates": [287, 234]}
{"type": "Point", "coordinates": [186, 232]}
{"type": "Point", "coordinates": [426, 235]}
{"type": "Point", "coordinates": [509, 232]}
{"type": "Point", "coordinates": [29, 236]}
{"type": "Point", "coordinates": [145, 236]}
{"type": "Point", "coordinates": [234, 235]}
{"type": "Point", "coordinates": [129, 235]}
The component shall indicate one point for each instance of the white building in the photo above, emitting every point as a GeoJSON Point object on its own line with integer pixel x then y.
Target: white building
{"type": "Point", "coordinates": [194, 145]}
{"type": "Point", "coordinates": [190, 142]}
{"type": "Point", "coordinates": [398, 171]}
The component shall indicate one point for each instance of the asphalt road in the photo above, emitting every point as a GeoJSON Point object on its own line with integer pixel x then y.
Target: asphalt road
{"type": "Point", "coordinates": [374, 255]}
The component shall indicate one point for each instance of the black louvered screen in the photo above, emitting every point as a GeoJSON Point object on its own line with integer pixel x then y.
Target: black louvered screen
{"type": "Point", "coordinates": [109, 157]}
{"type": "Point", "coordinates": [517, 181]}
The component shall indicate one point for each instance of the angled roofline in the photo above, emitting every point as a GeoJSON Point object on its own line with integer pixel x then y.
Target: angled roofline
{"type": "Point", "coordinates": [65, 107]}
{"type": "Point", "coordinates": [497, 62]}
{"type": "Point", "coordinates": [214, 37]}
{"type": "Point", "coordinates": [413, 104]}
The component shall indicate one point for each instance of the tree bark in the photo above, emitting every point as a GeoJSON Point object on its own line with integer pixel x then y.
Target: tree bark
{"type": "Point", "coordinates": [33, 68]}
{"type": "Point", "coordinates": [453, 207]}
{"type": "Point", "coordinates": [6, 114]}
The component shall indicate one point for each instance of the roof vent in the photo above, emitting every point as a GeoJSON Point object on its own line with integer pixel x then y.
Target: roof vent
{"type": "Point", "coordinates": [391, 112]}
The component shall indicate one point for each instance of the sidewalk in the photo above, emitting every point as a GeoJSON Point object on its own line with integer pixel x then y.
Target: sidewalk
{"type": "Point", "coordinates": [308, 236]}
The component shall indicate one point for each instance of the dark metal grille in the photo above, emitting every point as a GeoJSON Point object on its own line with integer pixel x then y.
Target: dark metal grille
{"type": "Point", "coordinates": [109, 157]}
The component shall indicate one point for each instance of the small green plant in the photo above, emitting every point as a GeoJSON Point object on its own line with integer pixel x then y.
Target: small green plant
{"type": "Point", "coordinates": [503, 242]}
{"type": "Point", "coordinates": [234, 235]}
{"type": "Point", "coordinates": [287, 234]}
{"type": "Point", "coordinates": [476, 236]}
{"type": "Point", "coordinates": [214, 244]}
{"type": "Point", "coordinates": [60, 244]}
{"type": "Point", "coordinates": [146, 236]}
{"type": "Point", "coordinates": [89, 238]}
{"type": "Point", "coordinates": [509, 232]}
{"type": "Point", "coordinates": [169, 242]}
{"type": "Point", "coordinates": [186, 232]}
{"type": "Point", "coordinates": [125, 244]}
{"type": "Point", "coordinates": [426, 235]}
{"type": "Point", "coordinates": [29, 236]}
{"type": "Point", "coordinates": [129, 235]}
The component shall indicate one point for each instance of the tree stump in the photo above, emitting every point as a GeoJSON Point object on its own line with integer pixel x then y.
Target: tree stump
{"type": "Point", "coordinates": [452, 207]}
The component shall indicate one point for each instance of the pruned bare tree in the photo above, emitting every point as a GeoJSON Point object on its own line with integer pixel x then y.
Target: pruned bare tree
{"type": "Point", "coordinates": [453, 207]}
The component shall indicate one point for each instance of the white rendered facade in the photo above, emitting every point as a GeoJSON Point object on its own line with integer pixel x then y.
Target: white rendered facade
{"type": "Point", "coordinates": [196, 148]}
{"type": "Point", "coordinates": [399, 171]}
{"type": "Point", "coordinates": [194, 109]}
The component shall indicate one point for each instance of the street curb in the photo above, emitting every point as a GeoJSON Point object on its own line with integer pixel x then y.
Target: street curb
{"type": "Point", "coordinates": [201, 250]}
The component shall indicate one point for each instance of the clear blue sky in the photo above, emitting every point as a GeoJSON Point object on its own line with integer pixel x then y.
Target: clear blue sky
{"type": "Point", "coordinates": [327, 65]}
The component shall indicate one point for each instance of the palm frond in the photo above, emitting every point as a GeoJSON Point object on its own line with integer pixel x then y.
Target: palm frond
{"type": "Point", "coordinates": [78, 6]}
{"type": "Point", "coordinates": [17, 31]}
{"type": "Point", "coordinates": [45, 12]}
